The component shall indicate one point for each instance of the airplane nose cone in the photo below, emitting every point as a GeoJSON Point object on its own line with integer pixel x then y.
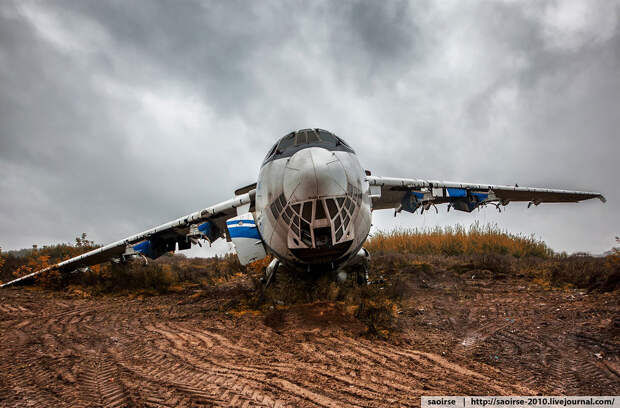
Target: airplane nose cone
{"type": "Point", "coordinates": [312, 173]}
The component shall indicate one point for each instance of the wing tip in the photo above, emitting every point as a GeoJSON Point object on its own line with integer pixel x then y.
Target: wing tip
{"type": "Point", "coordinates": [602, 198]}
{"type": "Point", "coordinates": [27, 278]}
{"type": "Point", "coordinates": [9, 283]}
{"type": "Point", "coordinates": [14, 281]}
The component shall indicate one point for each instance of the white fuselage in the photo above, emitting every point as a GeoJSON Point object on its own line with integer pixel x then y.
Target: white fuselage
{"type": "Point", "coordinates": [313, 208]}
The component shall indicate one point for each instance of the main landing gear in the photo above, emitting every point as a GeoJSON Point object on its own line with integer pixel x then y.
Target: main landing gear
{"type": "Point", "coordinates": [270, 272]}
{"type": "Point", "coordinates": [359, 267]}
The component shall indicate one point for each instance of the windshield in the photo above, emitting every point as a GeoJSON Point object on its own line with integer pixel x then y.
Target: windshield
{"type": "Point", "coordinates": [295, 141]}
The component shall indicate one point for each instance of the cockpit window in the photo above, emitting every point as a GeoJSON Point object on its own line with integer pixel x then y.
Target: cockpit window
{"type": "Point", "coordinates": [307, 211]}
{"type": "Point", "coordinates": [286, 142]}
{"type": "Point", "coordinates": [301, 139]}
{"type": "Point", "coordinates": [327, 137]}
{"type": "Point", "coordinates": [272, 151]}
{"type": "Point", "coordinates": [312, 137]}
{"type": "Point", "coordinates": [342, 141]}
{"type": "Point", "coordinates": [319, 211]}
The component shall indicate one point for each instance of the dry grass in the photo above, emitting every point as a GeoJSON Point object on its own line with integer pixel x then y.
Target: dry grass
{"type": "Point", "coordinates": [601, 274]}
{"type": "Point", "coordinates": [483, 251]}
{"type": "Point", "coordinates": [458, 240]}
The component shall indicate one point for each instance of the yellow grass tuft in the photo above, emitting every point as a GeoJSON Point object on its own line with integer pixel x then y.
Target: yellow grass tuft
{"type": "Point", "coordinates": [458, 240]}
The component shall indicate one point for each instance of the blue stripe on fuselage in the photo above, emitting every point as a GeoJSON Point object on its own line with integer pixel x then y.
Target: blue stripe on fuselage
{"type": "Point", "coordinates": [244, 232]}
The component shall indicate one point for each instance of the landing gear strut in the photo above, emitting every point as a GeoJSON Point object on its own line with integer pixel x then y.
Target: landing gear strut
{"type": "Point", "coordinates": [270, 272]}
{"type": "Point", "coordinates": [360, 263]}
{"type": "Point", "coordinates": [361, 275]}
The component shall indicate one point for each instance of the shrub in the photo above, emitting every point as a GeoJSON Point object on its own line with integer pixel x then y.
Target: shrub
{"type": "Point", "coordinates": [586, 272]}
{"type": "Point", "coordinates": [25, 261]}
{"type": "Point", "coordinates": [499, 265]}
{"type": "Point", "coordinates": [128, 277]}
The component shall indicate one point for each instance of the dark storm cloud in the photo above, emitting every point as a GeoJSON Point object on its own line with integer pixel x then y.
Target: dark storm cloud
{"type": "Point", "coordinates": [372, 43]}
{"type": "Point", "coordinates": [212, 44]}
{"type": "Point", "coordinates": [117, 116]}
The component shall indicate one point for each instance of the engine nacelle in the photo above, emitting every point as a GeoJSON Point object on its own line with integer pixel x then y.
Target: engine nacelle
{"type": "Point", "coordinates": [465, 205]}
{"type": "Point", "coordinates": [411, 201]}
{"type": "Point", "coordinates": [207, 230]}
{"type": "Point", "coordinates": [467, 200]}
{"type": "Point", "coordinates": [154, 248]}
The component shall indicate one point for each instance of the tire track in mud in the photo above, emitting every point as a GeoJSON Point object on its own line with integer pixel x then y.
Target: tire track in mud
{"type": "Point", "coordinates": [219, 371]}
{"type": "Point", "coordinates": [288, 373]}
{"type": "Point", "coordinates": [164, 372]}
{"type": "Point", "coordinates": [541, 352]}
{"type": "Point", "coordinates": [398, 378]}
{"type": "Point", "coordinates": [334, 377]}
{"type": "Point", "coordinates": [100, 384]}
{"type": "Point", "coordinates": [426, 366]}
{"type": "Point", "coordinates": [168, 363]}
{"type": "Point", "coordinates": [160, 352]}
{"type": "Point", "coordinates": [248, 377]}
{"type": "Point", "coordinates": [46, 373]}
{"type": "Point", "coordinates": [368, 390]}
{"type": "Point", "coordinates": [280, 377]}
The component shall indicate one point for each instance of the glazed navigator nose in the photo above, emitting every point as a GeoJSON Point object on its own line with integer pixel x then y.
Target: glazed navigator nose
{"type": "Point", "coordinates": [313, 173]}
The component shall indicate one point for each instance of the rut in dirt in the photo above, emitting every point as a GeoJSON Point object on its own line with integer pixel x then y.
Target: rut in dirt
{"type": "Point", "coordinates": [171, 351]}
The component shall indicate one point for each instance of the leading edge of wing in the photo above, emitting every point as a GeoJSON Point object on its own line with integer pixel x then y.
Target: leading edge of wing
{"type": "Point", "coordinates": [407, 184]}
{"type": "Point", "coordinates": [116, 248]}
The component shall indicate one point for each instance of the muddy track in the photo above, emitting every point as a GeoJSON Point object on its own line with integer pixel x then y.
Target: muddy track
{"type": "Point", "coordinates": [166, 352]}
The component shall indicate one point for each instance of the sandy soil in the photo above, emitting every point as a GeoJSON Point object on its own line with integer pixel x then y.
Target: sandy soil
{"type": "Point", "coordinates": [471, 337]}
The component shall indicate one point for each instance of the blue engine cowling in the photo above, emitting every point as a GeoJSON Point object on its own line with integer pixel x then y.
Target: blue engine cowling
{"type": "Point", "coordinates": [154, 248]}
{"type": "Point", "coordinates": [465, 200]}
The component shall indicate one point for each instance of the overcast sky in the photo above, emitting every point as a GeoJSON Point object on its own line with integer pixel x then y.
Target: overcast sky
{"type": "Point", "coordinates": [116, 116]}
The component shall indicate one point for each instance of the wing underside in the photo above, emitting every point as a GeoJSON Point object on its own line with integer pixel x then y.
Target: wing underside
{"type": "Point", "coordinates": [413, 194]}
{"type": "Point", "coordinates": [209, 224]}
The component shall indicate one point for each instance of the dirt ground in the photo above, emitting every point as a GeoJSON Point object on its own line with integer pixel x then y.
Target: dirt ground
{"type": "Point", "coordinates": [466, 337]}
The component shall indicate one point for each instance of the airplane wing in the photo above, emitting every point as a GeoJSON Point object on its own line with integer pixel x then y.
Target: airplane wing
{"type": "Point", "coordinates": [209, 223]}
{"type": "Point", "coordinates": [411, 194]}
